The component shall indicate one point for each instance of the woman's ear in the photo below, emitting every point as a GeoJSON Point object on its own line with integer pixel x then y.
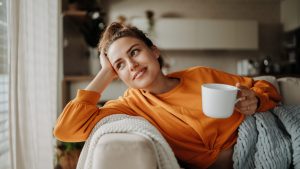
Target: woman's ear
{"type": "Point", "coordinates": [156, 51]}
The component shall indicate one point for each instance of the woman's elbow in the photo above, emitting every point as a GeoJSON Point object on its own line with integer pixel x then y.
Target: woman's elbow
{"type": "Point", "coordinates": [60, 134]}
{"type": "Point", "coordinates": [68, 135]}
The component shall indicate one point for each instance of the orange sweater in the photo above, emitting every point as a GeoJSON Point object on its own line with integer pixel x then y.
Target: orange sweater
{"type": "Point", "coordinates": [177, 114]}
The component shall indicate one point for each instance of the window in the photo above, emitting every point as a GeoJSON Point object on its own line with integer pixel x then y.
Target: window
{"type": "Point", "coordinates": [4, 81]}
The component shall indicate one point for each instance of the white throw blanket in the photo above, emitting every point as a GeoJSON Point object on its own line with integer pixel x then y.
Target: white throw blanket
{"type": "Point", "coordinates": [121, 123]}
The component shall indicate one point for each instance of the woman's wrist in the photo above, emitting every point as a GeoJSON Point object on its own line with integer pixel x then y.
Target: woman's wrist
{"type": "Point", "coordinates": [107, 74]}
{"type": "Point", "coordinates": [101, 80]}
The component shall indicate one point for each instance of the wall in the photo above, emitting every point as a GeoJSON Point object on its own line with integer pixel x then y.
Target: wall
{"type": "Point", "coordinates": [266, 12]}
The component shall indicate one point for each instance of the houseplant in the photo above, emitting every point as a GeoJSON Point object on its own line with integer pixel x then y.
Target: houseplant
{"type": "Point", "coordinates": [67, 154]}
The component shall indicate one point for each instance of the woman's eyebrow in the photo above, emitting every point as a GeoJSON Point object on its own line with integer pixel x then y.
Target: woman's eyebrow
{"type": "Point", "coordinates": [132, 46]}
{"type": "Point", "coordinates": [115, 62]}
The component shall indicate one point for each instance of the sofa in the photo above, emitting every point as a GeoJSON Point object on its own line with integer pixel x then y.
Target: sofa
{"type": "Point", "coordinates": [130, 151]}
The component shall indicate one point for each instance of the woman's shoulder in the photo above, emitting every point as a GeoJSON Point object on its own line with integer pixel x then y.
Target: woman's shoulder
{"type": "Point", "coordinates": [197, 69]}
{"type": "Point", "coordinates": [130, 95]}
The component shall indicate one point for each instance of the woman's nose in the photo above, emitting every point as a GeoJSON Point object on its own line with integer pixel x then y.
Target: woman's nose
{"type": "Point", "coordinates": [132, 64]}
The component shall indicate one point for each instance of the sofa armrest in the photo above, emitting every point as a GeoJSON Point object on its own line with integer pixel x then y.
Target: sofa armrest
{"type": "Point", "coordinates": [124, 150]}
{"type": "Point", "coordinates": [290, 87]}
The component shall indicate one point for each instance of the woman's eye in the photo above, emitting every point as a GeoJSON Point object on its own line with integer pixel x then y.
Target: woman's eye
{"type": "Point", "coordinates": [134, 52]}
{"type": "Point", "coordinates": [120, 66]}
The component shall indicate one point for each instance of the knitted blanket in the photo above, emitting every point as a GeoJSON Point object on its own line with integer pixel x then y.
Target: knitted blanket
{"type": "Point", "coordinates": [269, 140]}
{"type": "Point", "coordinates": [121, 123]}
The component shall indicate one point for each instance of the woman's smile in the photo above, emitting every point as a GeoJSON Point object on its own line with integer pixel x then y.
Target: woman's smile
{"type": "Point", "coordinates": [139, 73]}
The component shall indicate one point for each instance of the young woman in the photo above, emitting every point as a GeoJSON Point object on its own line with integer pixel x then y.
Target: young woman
{"type": "Point", "coordinates": [172, 103]}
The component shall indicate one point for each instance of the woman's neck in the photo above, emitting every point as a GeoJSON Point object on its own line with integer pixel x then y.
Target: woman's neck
{"type": "Point", "coordinates": [164, 84]}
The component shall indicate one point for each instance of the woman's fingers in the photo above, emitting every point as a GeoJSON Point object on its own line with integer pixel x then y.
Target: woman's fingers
{"type": "Point", "coordinates": [244, 91]}
{"type": "Point", "coordinates": [104, 61]}
{"type": "Point", "coordinates": [106, 65]}
{"type": "Point", "coordinates": [249, 107]}
{"type": "Point", "coordinates": [247, 103]}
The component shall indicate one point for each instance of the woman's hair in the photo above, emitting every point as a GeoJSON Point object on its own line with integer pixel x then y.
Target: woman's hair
{"type": "Point", "coordinates": [116, 31]}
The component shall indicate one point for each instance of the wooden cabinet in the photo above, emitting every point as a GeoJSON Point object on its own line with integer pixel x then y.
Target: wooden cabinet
{"type": "Point", "coordinates": [290, 14]}
{"type": "Point", "coordinates": [195, 34]}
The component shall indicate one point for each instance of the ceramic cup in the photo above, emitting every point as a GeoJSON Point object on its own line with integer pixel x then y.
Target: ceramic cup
{"type": "Point", "coordinates": [218, 100]}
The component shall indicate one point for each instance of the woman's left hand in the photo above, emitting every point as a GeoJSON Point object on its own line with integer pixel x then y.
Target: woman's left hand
{"type": "Point", "coordinates": [247, 103]}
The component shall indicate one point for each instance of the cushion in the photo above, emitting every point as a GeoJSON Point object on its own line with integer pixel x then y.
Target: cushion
{"type": "Point", "coordinates": [290, 87]}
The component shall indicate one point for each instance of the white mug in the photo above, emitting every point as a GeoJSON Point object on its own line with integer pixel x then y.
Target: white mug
{"type": "Point", "coordinates": [218, 100]}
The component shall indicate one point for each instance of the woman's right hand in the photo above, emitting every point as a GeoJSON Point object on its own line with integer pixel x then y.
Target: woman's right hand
{"type": "Point", "coordinates": [106, 65]}
{"type": "Point", "coordinates": [106, 75]}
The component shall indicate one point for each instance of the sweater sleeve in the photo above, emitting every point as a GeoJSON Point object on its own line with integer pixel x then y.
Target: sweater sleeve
{"type": "Point", "coordinates": [267, 94]}
{"type": "Point", "coordinates": [81, 115]}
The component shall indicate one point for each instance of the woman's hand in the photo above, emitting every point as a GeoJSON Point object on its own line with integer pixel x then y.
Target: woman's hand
{"type": "Point", "coordinates": [247, 103]}
{"type": "Point", "coordinates": [106, 65]}
{"type": "Point", "coordinates": [104, 77]}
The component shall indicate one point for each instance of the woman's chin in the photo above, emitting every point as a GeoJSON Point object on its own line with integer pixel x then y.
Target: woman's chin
{"type": "Point", "coordinates": [145, 81]}
{"type": "Point", "coordinates": [144, 84]}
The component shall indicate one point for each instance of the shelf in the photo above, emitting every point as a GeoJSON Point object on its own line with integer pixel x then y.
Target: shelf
{"type": "Point", "coordinates": [75, 13]}
{"type": "Point", "coordinates": [78, 78]}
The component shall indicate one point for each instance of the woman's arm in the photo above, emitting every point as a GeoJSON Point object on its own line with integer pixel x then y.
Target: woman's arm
{"type": "Point", "coordinates": [259, 97]}
{"type": "Point", "coordinates": [256, 96]}
{"type": "Point", "coordinates": [81, 114]}
{"type": "Point", "coordinates": [267, 94]}
{"type": "Point", "coordinates": [105, 76]}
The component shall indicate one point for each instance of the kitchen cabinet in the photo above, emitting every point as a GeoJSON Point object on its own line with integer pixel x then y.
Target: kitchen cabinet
{"type": "Point", "coordinates": [215, 34]}
{"type": "Point", "coordinates": [171, 34]}
{"type": "Point", "coordinates": [246, 34]}
{"type": "Point", "coordinates": [290, 14]}
{"type": "Point", "coordinates": [198, 34]}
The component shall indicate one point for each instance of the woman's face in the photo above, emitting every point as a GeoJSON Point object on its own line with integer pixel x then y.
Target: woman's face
{"type": "Point", "coordinates": [135, 63]}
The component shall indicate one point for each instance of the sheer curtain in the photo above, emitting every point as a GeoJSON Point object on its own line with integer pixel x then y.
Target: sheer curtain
{"type": "Point", "coordinates": [4, 122]}
{"type": "Point", "coordinates": [33, 82]}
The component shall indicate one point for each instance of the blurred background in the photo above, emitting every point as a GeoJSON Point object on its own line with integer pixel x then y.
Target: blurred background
{"type": "Point", "coordinates": [249, 38]}
{"type": "Point", "coordinates": [48, 50]}
{"type": "Point", "coordinates": [237, 36]}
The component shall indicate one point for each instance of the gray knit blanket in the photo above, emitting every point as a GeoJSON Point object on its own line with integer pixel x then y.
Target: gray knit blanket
{"type": "Point", "coordinates": [269, 140]}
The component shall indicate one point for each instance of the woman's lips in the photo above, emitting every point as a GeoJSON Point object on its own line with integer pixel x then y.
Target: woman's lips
{"type": "Point", "coordinates": [139, 73]}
